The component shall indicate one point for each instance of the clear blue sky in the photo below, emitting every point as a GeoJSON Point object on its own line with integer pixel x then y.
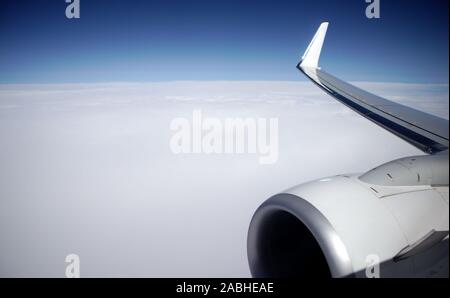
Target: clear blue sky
{"type": "Point", "coordinates": [144, 40]}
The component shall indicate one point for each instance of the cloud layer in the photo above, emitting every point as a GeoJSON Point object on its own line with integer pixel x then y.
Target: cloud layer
{"type": "Point", "coordinates": [87, 169]}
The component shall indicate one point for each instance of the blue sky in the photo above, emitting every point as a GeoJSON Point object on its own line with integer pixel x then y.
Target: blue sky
{"type": "Point", "coordinates": [143, 40]}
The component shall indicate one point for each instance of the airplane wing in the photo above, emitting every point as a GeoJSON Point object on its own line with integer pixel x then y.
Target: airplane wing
{"type": "Point", "coordinates": [424, 131]}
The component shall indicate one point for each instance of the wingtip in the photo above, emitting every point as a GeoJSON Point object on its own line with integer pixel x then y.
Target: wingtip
{"type": "Point", "coordinates": [312, 54]}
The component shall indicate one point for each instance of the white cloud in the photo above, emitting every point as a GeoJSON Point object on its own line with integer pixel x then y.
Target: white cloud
{"type": "Point", "coordinates": [87, 169]}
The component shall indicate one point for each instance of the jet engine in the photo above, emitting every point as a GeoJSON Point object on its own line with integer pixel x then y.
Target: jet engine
{"type": "Point", "coordinates": [392, 221]}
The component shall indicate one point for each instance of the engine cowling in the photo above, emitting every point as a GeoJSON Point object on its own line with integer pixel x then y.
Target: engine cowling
{"type": "Point", "coordinates": [338, 226]}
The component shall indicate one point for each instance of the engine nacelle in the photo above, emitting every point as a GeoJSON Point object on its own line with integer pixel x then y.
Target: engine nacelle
{"type": "Point", "coordinates": [340, 226]}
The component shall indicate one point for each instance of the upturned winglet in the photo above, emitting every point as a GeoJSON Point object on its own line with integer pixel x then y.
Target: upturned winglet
{"type": "Point", "coordinates": [312, 54]}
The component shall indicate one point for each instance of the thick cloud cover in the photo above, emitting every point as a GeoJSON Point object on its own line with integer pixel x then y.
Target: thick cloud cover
{"type": "Point", "coordinates": [87, 169]}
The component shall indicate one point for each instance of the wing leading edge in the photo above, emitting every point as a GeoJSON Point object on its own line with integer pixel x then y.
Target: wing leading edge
{"type": "Point", "coordinates": [424, 131]}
